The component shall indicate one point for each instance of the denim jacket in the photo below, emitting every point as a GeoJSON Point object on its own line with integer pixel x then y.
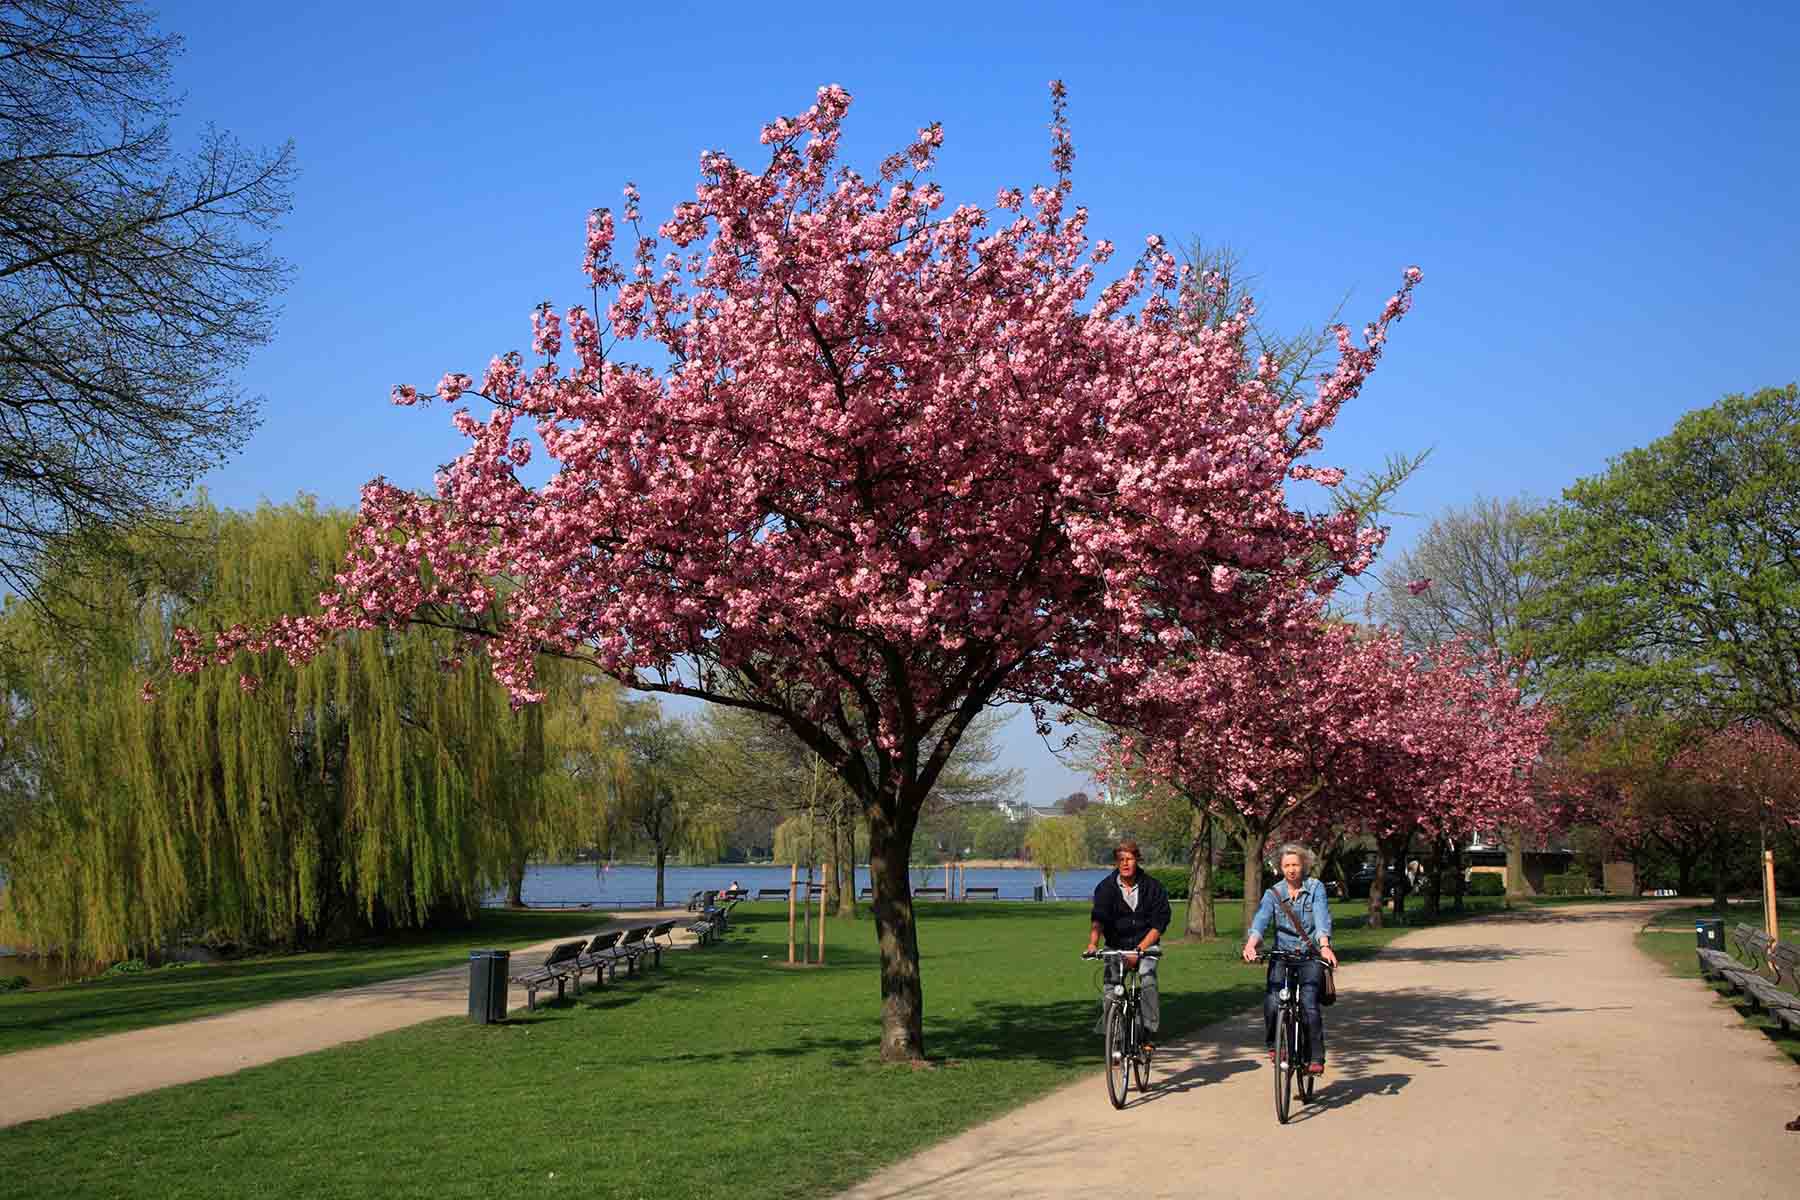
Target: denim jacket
{"type": "Point", "coordinates": [1309, 904]}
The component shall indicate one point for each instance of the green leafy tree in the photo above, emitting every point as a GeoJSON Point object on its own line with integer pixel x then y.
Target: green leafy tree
{"type": "Point", "coordinates": [1672, 580]}
{"type": "Point", "coordinates": [380, 784]}
{"type": "Point", "coordinates": [1057, 844]}
{"type": "Point", "coordinates": [996, 833]}
{"type": "Point", "coordinates": [659, 799]}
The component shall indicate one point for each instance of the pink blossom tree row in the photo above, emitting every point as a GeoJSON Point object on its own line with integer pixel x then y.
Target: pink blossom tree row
{"type": "Point", "coordinates": [890, 461]}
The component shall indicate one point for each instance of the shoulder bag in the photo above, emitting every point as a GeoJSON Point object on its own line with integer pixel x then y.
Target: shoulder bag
{"type": "Point", "coordinates": [1328, 989]}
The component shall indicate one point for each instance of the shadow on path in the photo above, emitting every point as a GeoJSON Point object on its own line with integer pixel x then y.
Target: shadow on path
{"type": "Point", "coordinates": [1447, 954]}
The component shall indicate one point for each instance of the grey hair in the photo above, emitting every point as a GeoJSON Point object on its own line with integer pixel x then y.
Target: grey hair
{"type": "Point", "coordinates": [1306, 856]}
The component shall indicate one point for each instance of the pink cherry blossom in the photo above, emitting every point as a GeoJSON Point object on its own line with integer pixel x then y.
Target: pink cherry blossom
{"type": "Point", "coordinates": [886, 462]}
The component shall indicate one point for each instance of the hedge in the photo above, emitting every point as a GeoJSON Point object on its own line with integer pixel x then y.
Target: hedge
{"type": "Point", "coordinates": [1575, 883]}
{"type": "Point", "coordinates": [1175, 879]}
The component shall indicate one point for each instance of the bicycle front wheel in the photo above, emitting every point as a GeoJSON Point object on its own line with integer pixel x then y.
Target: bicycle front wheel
{"type": "Point", "coordinates": [1284, 1068]}
{"type": "Point", "coordinates": [1118, 1057]}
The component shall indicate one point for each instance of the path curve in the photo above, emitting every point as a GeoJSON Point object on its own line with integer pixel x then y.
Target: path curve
{"type": "Point", "coordinates": [52, 1080]}
{"type": "Point", "coordinates": [1537, 1053]}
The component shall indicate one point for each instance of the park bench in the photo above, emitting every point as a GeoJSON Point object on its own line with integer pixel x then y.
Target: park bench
{"type": "Point", "coordinates": [1784, 1004]}
{"type": "Point", "coordinates": [558, 968]}
{"type": "Point", "coordinates": [1770, 965]}
{"type": "Point", "coordinates": [771, 893]}
{"type": "Point", "coordinates": [931, 893]}
{"type": "Point", "coordinates": [704, 928]}
{"type": "Point", "coordinates": [661, 937]}
{"type": "Point", "coordinates": [630, 948]}
{"type": "Point", "coordinates": [986, 893]}
{"type": "Point", "coordinates": [650, 945]}
{"type": "Point", "coordinates": [1752, 952]}
{"type": "Point", "coordinates": [711, 925]}
{"type": "Point", "coordinates": [1714, 963]}
{"type": "Point", "coordinates": [867, 894]}
{"type": "Point", "coordinates": [693, 901]}
{"type": "Point", "coordinates": [597, 957]}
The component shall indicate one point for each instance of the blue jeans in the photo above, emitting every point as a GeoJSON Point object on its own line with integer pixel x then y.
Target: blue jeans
{"type": "Point", "coordinates": [1311, 977]}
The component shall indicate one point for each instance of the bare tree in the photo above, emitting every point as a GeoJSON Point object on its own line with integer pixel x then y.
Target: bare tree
{"type": "Point", "coordinates": [1474, 559]}
{"type": "Point", "coordinates": [1467, 579]}
{"type": "Point", "coordinates": [134, 279]}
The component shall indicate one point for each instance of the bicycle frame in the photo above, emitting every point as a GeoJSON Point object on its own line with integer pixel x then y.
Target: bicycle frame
{"type": "Point", "coordinates": [1292, 1040]}
{"type": "Point", "coordinates": [1122, 1019]}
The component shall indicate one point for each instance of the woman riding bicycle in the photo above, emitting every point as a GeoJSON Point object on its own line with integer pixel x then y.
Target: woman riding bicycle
{"type": "Point", "coordinates": [1306, 899]}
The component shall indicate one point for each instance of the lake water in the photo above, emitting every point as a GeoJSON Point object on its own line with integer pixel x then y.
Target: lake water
{"type": "Point", "coordinates": [629, 887]}
{"type": "Point", "coordinates": [42, 972]}
{"type": "Point", "coordinates": [635, 887]}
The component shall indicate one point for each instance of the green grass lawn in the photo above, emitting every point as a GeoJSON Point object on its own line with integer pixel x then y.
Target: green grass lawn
{"type": "Point", "coordinates": [1682, 919]}
{"type": "Point", "coordinates": [118, 1003]}
{"type": "Point", "coordinates": [722, 1075]}
{"type": "Point", "coordinates": [1674, 949]}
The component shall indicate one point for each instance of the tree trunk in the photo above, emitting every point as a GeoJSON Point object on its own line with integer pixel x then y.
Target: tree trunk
{"type": "Point", "coordinates": [1253, 869]}
{"type": "Point", "coordinates": [1718, 866]}
{"type": "Point", "coordinates": [844, 856]}
{"type": "Point", "coordinates": [897, 934]}
{"type": "Point", "coordinates": [1462, 876]}
{"type": "Point", "coordinates": [515, 882]}
{"type": "Point", "coordinates": [1378, 887]}
{"type": "Point", "coordinates": [1402, 844]}
{"type": "Point", "coordinates": [662, 856]}
{"type": "Point", "coordinates": [1434, 892]}
{"type": "Point", "coordinates": [1516, 883]}
{"type": "Point", "coordinates": [1684, 873]}
{"type": "Point", "coordinates": [1202, 917]}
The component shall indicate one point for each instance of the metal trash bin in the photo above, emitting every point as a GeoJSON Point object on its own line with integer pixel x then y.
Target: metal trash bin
{"type": "Point", "coordinates": [1037, 892]}
{"type": "Point", "coordinates": [487, 985]}
{"type": "Point", "coordinates": [1709, 934]}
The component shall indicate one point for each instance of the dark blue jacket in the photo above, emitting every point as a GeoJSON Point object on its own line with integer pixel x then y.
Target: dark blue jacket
{"type": "Point", "coordinates": [1123, 928]}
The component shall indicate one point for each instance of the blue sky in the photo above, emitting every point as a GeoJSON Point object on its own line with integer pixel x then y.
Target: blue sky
{"type": "Point", "coordinates": [1602, 197]}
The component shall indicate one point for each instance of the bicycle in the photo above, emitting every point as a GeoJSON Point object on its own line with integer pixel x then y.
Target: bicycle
{"type": "Point", "coordinates": [1125, 1053]}
{"type": "Point", "coordinates": [1293, 1048]}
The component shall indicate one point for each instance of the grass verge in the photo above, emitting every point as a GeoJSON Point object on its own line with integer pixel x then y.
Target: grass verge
{"type": "Point", "coordinates": [1674, 949]}
{"type": "Point", "coordinates": [723, 1075]}
{"type": "Point", "coordinates": [118, 1003]}
{"type": "Point", "coordinates": [1682, 919]}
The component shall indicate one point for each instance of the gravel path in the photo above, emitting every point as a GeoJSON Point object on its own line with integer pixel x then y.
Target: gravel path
{"type": "Point", "coordinates": [1536, 1054]}
{"type": "Point", "coordinates": [58, 1079]}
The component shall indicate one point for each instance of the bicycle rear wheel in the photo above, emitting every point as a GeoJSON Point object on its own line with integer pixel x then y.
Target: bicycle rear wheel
{"type": "Point", "coordinates": [1284, 1068]}
{"type": "Point", "coordinates": [1118, 1060]}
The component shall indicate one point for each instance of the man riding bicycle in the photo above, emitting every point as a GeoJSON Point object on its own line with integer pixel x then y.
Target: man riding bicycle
{"type": "Point", "coordinates": [1305, 899]}
{"type": "Point", "coordinates": [1131, 912]}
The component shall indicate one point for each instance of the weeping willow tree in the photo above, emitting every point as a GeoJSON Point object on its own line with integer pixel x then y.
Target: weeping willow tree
{"type": "Point", "coordinates": [658, 796]}
{"type": "Point", "coordinates": [385, 783]}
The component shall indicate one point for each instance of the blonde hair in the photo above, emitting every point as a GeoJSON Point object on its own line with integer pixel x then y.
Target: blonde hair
{"type": "Point", "coordinates": [1306, 857]}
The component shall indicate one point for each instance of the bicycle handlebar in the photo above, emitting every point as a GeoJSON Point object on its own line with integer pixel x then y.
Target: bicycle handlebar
{"type": "Point", "coordinates": [1152, 952]}
{"type": "Point", "coordinates": [1291, 956]}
